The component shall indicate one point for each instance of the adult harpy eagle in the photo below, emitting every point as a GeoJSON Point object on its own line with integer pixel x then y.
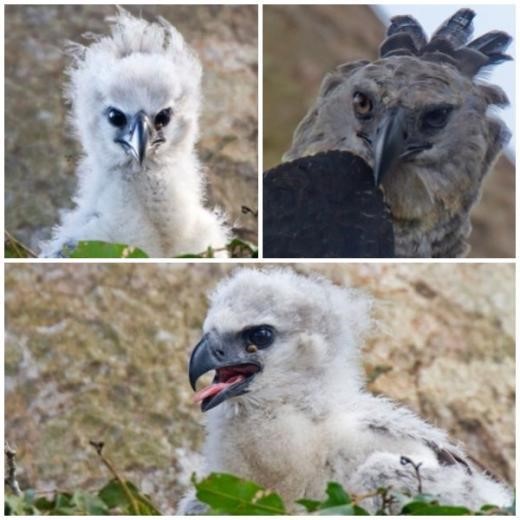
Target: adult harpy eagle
{"type": "Point", "coordinates": [135, 98]}
{"type": "Point", "coordinates": [288, 408]}
{"type": "Point", "coordinates": [420, 117]}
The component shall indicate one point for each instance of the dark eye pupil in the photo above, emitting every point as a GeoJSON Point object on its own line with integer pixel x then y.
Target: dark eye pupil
{"type": "Point", "coordinates": [116, 118]}
{"type": "Point", "coordinates": [163, 118]}
{"type": "Point", "coordinates": [437, 118]}
{"type": "Point", "coordinates": [261, 336]}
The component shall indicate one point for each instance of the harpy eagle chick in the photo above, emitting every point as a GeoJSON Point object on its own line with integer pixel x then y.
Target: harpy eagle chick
{"type": "Point", "coordinates": [423, 121]}
{"type": "Point", "coordinates": [135, 98]}
{"type": "Point", "coordinates": [288, 408]}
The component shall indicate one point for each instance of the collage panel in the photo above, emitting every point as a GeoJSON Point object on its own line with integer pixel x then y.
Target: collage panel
{"type": "Point", "coordinates": [389, 131]}
{"type": "Point", "coordinates": [374, 376]}
{"type": "Point", "coordinates": [134, 126]}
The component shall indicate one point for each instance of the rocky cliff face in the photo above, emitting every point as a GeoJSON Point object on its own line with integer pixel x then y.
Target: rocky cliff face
{"type": "Point", "coordinates": [302, 44]}
{"type": "Point", "coordinates": [40, 155]}
{"type": "Point", "coordinates": [100, 352]}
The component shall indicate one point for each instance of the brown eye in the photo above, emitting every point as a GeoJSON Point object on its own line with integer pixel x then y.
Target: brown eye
{"type": "Point", "coordinates": [362, 105]}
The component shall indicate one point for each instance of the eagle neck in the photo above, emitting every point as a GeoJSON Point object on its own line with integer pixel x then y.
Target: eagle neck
{"type": "Point", "coordinates": [447, 239]}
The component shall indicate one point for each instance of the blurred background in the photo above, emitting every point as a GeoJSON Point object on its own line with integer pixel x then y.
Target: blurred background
{"type": "Point", "coordinates": [99, 352]}
{"type": "Point", "coordinates": [40, 156]}
{"type": "Point", "coordinates": [303, 43]}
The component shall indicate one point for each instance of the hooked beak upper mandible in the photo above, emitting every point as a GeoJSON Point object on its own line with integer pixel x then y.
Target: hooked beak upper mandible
{"type": "Point", "coordinates": [389, 142]}
{"type": "Point", "coordinates": [136, 140]}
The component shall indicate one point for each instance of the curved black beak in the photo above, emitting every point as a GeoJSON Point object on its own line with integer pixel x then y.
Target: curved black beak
{"type": "Point", "coordinates": [389, 142]}
{"type": "Point", "coordinates": [202, 360]}
{"type": "Point", "coordinates": [235, 366]}
{"type": "Point", "coordinates": [394, 141]}
{"type": "Point", "coordinates": [135, 141]}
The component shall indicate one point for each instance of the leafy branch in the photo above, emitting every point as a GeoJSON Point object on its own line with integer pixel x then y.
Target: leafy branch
{"type": "Point", "coordinates": [223, 494]}
{"type": "Point", "coordinates": [236, 248]}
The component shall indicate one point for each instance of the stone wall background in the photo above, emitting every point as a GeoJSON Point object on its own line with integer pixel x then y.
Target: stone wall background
{"type": "Point", "coordinates": [302, 44]}
{"type": "Point", "coordinates": [40, 155]}
{"type": "Point", "coordinates": [100, 352]}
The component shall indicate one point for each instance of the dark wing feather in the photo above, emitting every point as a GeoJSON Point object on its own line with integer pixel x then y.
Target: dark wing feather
{"type": "Point", "coordinates": [325, 206]}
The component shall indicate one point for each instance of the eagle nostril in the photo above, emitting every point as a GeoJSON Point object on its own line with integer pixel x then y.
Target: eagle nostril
{"type": "Point", "coordinates": [219, 352]}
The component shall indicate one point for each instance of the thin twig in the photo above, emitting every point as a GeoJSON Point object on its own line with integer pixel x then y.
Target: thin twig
{"type": "Point", "coordinates": [98, 446]}
{"type": "Point", "coordinates": [356, 499]}
{"type": "Point", "coordinates": [18, 247]}
{"type": "Point", "coordinates": [10, 479]}
{"type": "Point", "coordinates": [416, 467]}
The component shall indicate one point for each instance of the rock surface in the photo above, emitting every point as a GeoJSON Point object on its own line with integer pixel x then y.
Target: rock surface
{"type": "Point", "coordinates": [40, 155]}
{"type": "Point", "coordinates": [302, 44]}
{"type": "Point", "coordinates": [100, 352]}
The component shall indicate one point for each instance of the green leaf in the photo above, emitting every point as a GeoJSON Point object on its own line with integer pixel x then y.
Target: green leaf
{"type": "Point", "coordinates": [88, 504]}
{"type": "Point", "coordinates": [423, 508]}
{"type": "Point", "coordinates": [99, 249]}
{"type": "Point", "coordinates": [227, 494]}
{"type": "Point", "coordinates": [19, 505]}
{"type": "Point", "coordinates": [345, 509]}
{"type": "Point", "coordinates": [424, 497]}
{"type": "Point", "coordinates": [239, 248]}
{"type": "Point", "coordinates": [44, 504]}
{"type": "Point", "coordinates": [337, 495]}
{"type": "Point", "coordinates": [115, 497]}
{"type": "Point", "coordinates": [309, 505]}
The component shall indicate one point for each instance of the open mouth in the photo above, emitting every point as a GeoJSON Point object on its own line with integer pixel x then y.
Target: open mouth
{"type": "Point", "coordinates": [228, 382]}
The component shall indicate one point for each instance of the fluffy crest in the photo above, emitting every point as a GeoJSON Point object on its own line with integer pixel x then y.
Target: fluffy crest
{"type": "Point", "coordinates": [130, 35]}
{"type": "Point", "coordinates": [448, 44]}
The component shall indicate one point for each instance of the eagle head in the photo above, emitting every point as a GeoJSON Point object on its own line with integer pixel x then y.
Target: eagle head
{"type": "Point", "coordinates": [421, 118]}
{"type": "Point", "coordinates": [273, 335]}
{"type": "Point", "coordinates": [134, 94]}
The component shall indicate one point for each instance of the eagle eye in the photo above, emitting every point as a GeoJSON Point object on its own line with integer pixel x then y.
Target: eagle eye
{"type": "Point", "coordinates": [362, 105]}
{"type": "Point", "coordinates": [162, 118]}
{"type": "Point", "coordinates": [436, 118]}
{"type": "Point", "coordinates": [261, 336]}
{"type": "Point", "coordinates": [116, 118]}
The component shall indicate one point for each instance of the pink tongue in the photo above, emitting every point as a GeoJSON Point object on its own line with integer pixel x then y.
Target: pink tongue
{"type": "Point", "coordinates": [216, 388]}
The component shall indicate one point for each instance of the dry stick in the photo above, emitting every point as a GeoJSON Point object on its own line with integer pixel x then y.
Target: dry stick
{"type": "Point", "coordinates": [10, 479]}
{"type": "Point", "coordinates": [356, 499]}
{"type": "Point", "coordinates": [98, 446]}
{"type": "Point", "coordinates": [19, 247]}
{"type": "Point", "coordinates": [416, 467]}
